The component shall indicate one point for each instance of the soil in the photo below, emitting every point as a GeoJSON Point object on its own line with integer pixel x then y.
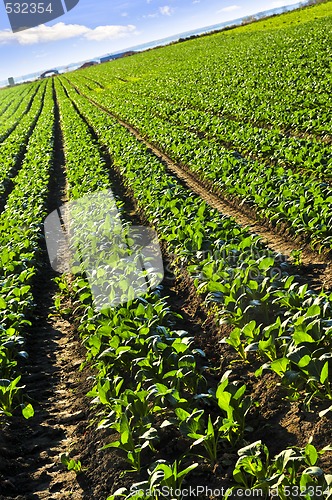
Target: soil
{"type": "Point", "coordinates": [65, 421]}
{"type": "Point", "coordinates": [8, 183]}
{"type": "Point", "coordinates": [315, 269]}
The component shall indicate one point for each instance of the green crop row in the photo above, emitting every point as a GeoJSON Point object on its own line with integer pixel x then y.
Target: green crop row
{"type": "Point", "coordinates": [278, 194]}
{"type": "Point", "coordinates": [233, 268]}
{"type": "Point", "coordinates": [278, 77]}
{"type": "Point", "coordinates": [147, 374]}
{"type": "Point", "coordinates": [269, 145]}
{"type": "Point", "coordinates": [17, 107]}
{"type": "Point", "coordinates": [20, 235]}
{"type": "Point", "coordinates": [11, 149]}
{"type": "Point", "coordinates": [7, 96]}
{"type": "Point", "coordinates": [15, 112]}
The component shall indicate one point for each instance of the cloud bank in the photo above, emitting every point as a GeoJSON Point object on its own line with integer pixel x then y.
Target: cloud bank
{"type": "Point", "coordinates": [62, 31]}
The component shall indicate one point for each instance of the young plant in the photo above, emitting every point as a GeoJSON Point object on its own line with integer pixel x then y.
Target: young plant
{"type": "Point", "coordinates": [71, 464]}
{"type": "Point", "coordinates": [164, 480]}
{"type": "Point", "coordinates": [168, 476]}
{"type": "Point", "coordinates": [126, 442]}
{"type": "Point", "coordinates": [235, 405]}
{"type": "Point", "coordinates": [293, 472]}
{"type": "Point", "coordinates": [209, 438]}
{"type": "Point", "coordinates": [9, 391]}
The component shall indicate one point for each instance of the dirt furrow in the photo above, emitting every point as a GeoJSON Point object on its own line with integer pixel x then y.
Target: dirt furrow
{"type": "Point", "coordinates": [10, 180]}
{"type": "Point", "coordinates": [315, 269]}
{"type": "Point", "coordinates": [284, 131]}
{"type": "Point", "coordinates": [290, 428]}
{"type": "Point", "coordinates": [31, 468]}
{"type": "Point", "coordinates": [30, 450]}
{"type": "Point", "coordinates": [245, 154]}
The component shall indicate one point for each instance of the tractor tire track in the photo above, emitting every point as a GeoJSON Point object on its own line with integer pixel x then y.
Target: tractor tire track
{"type": "Point", "coordinates": [245, 154]}
{"type": "Point", "coordinates": [284, 131]}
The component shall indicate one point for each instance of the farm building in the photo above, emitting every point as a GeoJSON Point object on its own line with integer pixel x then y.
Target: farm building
{"type": "Point", "coordinates": [50, 72]}
{"type": "Point", "coordinates": [88, 64]}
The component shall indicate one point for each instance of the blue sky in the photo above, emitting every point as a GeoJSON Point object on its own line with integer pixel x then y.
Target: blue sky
{"type": "Point", "coordinates": [95, 28]}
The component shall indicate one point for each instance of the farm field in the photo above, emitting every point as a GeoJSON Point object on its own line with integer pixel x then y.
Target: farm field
{"type": "Point", "coordinates": [219, 379]}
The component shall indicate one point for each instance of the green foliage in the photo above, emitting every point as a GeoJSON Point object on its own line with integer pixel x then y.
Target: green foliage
{"type": "Point", "coordinates": [144, 370]}
{"type": "Point", "coordinates": [21, 229]}
{"type": "Point", "coordinates": [70, 463]}
{"type": "Point", "coordinates": [293, 470]}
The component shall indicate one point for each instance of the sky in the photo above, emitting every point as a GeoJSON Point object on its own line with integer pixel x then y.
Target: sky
{"type": "Point", "coordinates": [95, 28]}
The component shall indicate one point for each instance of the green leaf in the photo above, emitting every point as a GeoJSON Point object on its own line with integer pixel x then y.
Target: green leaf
{"type": "Point", "coordinates": [28, 411]}
{"type": "Point", "coordinates": [266, 263]}
{"type": "Point", "coordinates": [324, 373]}
{"type": "Point", "coordinates": [224, 400]}
{"type": "Point", "coordinates": [301, 337]}
{"type": "Point", "coordinates": [311, 454]}
{"type": "Point", "coordinates": [313, 311]}
{"type": "Point", "coordinates": [280, 366]}
{"type": "Point", "coordinates": [188, 469]}
{"type": "Point", "coordinates": [114, 444]}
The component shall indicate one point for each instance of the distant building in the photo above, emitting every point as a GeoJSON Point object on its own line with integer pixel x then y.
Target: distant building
{"type": "Point", "coordinates": [88, 64]}
{"type": "Point", "coordinates": [11, 81]}
{"type": "Point", "coordinates": [112, 57]}
{"type": "Point", "coordinates": [50, 72]}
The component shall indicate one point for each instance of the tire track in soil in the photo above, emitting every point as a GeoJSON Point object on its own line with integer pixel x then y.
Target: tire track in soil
{"type": "Point", "coordinates": [316, 270]}
{"type": "Point", "coordinates": [284, 131]}
{"type": "Point", "coordinates": [243, 153]}
{"type": "Point", "coordinates": [30, 467]}
{"type": "Point", "coordinates": [32, 448]}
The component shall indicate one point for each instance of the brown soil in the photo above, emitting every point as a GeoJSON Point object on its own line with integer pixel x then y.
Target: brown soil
{"type": "Point", "coordinates": [315, 270]}
{"type": "Point", "coordinates": [31, 450]}
{"type": "Point", "coordinates": [64, 422]}
{"type": "Point", "coordinates": [9, 181]}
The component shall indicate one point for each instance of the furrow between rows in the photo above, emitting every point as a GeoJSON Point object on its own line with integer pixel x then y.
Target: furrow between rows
{"type": "Point", "coordinates": [317, 268]}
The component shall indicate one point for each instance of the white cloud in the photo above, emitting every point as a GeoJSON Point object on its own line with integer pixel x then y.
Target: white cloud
{"type": "Point", "coordinates": [150, 15]}
{"type": "Point", "coordinates": [282, 3]}
{"type": "Point", "coordinates": [107, 32]}
{"type": "Point", "coordinates": [62, 31]}
{"type": "Point", "coordinates": [166, 10]}
{"type": "Point", "coordinates": [230, 8]}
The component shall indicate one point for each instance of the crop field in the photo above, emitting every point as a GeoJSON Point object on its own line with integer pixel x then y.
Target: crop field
{"type": "Point", "coordinates": [217, 383]}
